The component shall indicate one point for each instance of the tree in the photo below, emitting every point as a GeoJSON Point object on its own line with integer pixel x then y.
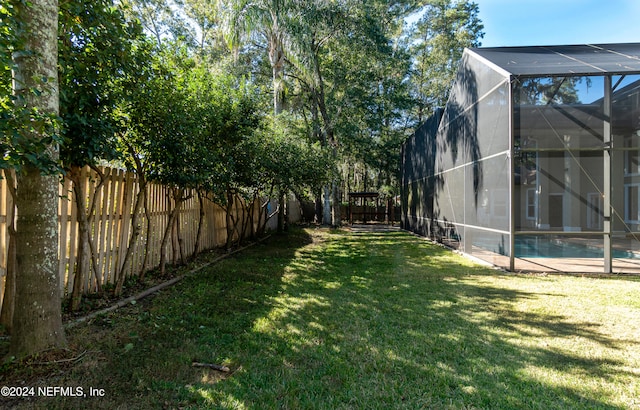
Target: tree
{"type": "Point", "coordinates": [185, 121]}
{"type": "Point", "coordinates": [8, 42]}
{"type": "Point", "coordinates": [208, 38]}
{"type": "Point", "coordinates": [288, 163]}
{"type": "Point", "coordinates": [379, 97]}
{"type": "Point", "coordinates": [37, 322]}
{"type": "Point", "coordinates": [355, 100]}
{"type": "Point", "coordinates": [96, 55]}
{"type": "Point", "coordinates": [262, 20]}
{"type": "Point", "coordinates": [439, 37]}
{"type": "Point", "coordinates": [159, 20]}
{"type": "Point", "coordinates": [227, 108]}
{"type": "Point", "coordinates": [158, 139]}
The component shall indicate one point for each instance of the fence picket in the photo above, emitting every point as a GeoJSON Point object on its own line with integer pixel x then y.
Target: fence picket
{"type": "Point", "coordinates": [128, 196]}
{"type": "Point", "coordinates": [112, 229]}
{"type": "Point", "coordinates": [66, 197]}
{"type": "Point", "coordinates": [110, 226]}
{"type": "Point", "coordinates": [73, 240]}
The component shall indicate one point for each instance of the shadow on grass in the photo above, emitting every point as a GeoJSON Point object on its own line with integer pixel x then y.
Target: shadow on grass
{"type": "Point", "coordinates": [142, 355]}
{"type": "Point", "coordinates": [318, 320]}
{"type": "Point", "coordinates": [359, 327]}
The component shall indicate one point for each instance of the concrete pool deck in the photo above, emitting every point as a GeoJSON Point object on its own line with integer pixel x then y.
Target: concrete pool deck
{"type": "Point", "coordinates": [560, 265]}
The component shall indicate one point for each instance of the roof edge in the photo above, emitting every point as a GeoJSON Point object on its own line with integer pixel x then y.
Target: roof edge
{"type": "Point", "coordinates": [587, 59]}
{"type": "Point", "coordinates": [471, 53]}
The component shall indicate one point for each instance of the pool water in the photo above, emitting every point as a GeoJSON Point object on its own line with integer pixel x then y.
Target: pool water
{"type": "Point", "coordinates": [527, 247]}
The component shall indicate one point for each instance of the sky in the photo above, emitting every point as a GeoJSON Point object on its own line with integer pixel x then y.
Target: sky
{"type": "Point", "coordinates": [559, 22]}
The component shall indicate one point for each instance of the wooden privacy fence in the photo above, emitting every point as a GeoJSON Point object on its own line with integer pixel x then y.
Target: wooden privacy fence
{"type": "Point", "coordinates": [110, 227]}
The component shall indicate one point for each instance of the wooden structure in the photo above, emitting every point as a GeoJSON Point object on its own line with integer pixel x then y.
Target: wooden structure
{"type": "Point", "coordinates": [110, 227]}
{"type": "Point", "coordinates": [365, 207]}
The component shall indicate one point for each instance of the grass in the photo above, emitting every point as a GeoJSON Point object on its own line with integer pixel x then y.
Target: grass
{"type": "Point", "coordinates": [330, 320]}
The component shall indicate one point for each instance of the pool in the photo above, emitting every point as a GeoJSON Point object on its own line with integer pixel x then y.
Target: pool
{"type": "Point", "coordinates": [541, 247]}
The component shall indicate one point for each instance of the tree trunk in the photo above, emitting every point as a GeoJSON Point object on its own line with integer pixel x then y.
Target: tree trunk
{"type": "Point", "coordinates": [37, 322]}
{"type": "Point", "coordinates": [147, 246]}
{"type": "Point", "coordinates": [232, 222]}
{"type": "Point", "coordinates": [196, 248]}
{"type": "Point", "coordinates": [229, 223]}
{"type": "Point", "coordinates": [247, 229]}
{"type": "Point", "coordinates": [82, 263]}
{"type": "Point", "coordinates": [175, 245]}
{"type": "Point", "coordinates": [244, 219]}
{"type": "Point", "coordinates": [83, 256]}
{"type": "Point", "coordinates": [178, 199]}
{"type": "Point", "coordinates": [326, 206]}
{"type": "Point", "coordinates": [254, 220]}
{"type": "Point", "coordinates": [282, 216]}
{"type": "Point", "coordinates": [178, 251]}
{"type": "Point", "coordinates": [90, 212]}
{"type": "Point", "coordinates": [265, 215]}
{"type": "Point", "coordinates": [337, 218]}
{"type": "Point", "coordinates": [86, 250]}
{"type": "Point", "coordinates": [137, 227]}
{"type": "Point", "coordinates": [318, 204]}
{"type": "Point", "coordinates": [276, 58]}
{"type": "Point", "coordinates": [330, 213]}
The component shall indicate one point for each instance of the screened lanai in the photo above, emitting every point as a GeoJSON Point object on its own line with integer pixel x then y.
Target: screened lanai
{"type": "Point", "coordinates": [534, 163]}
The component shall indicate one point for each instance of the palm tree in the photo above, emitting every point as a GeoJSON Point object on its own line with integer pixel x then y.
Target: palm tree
{"type": "Point", "coordinates": [263, 18]}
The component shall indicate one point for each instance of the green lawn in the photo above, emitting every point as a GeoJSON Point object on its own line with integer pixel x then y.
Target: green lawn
{"type": "Point", "coordinates": [329, 320]}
